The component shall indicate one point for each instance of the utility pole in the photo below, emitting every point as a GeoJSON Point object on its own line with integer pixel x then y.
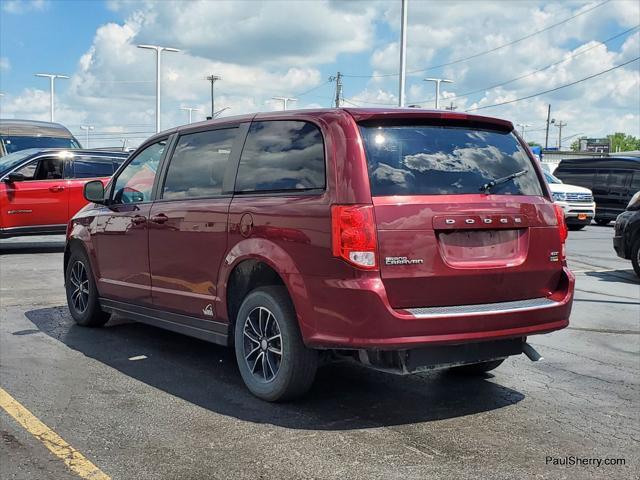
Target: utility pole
{"type": "Point", "coordinates": [523, 126]}
{"type": "Point", "coordinates": [52, 77]}
{"type": "Point", "coordinates": [213, 79]}
{"type": "Point", "coordinates": [451, 107]}
{"type": "Point", "coordinates": [338, 79]}
{"type": "Point", "coordinates": [285, 101]}
{"type": "Point", "coordinates": [87, 129]}
{"type": "Point", "coordinates": [190, 110]}
{"type": "Point", "coordinates": [158, 49]}
{"type": "Point", "coordinates": [438, 81]}
{"type": "Point", "coordinates": [546, 137]}
{"type": "Point", "coordinates": [560, 124]}
{"type": "Point", "coordinates": [403, 53]}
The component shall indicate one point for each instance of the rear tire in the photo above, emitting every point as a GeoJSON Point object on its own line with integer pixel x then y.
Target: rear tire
{"type": "Point", "coordinates": [635, 256]}
{"type": "Point", "coordinates": [575, 227]}
{"type": "Point", "coordinates": [273, 360]}
{"type": "Point", "coordinates": [602, 222]}
{"type": "Point", "coordinates": [82, 294]}
{"type": "Point", "coordinates": [476, 368]}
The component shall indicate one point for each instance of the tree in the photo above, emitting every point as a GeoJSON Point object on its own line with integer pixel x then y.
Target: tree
{"type": "Point", "coordinates": [534, 144]}
{"type": "Point", "coordinates": [621, 142]}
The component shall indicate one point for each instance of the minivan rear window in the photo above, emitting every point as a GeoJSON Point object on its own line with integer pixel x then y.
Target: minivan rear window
{"type": "Point", "coordinates": [438, 160]}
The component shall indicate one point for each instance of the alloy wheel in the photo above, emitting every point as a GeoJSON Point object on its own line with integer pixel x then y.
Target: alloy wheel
{"type": "Point", "coordinates": [262, 342]}
{"type": "Point", "coordinates": [80, 284]}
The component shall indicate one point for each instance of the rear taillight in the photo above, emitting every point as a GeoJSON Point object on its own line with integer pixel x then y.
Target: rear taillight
{"type": "Point", "coordinates": [562, 228]}
{"type": "Point", "coordinates": [353, 232]}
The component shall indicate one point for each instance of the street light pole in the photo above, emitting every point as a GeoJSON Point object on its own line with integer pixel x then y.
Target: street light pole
{"type": "Point", "coordinates": [213, 79]}
{"type": "Point", "coordinates": [158, 49]}
{"type": "Point", "coordinates": [403, 53]}
{"type": "Point", "coordinates": [438, 81]}
{"type": "Point", "coordinates": [523, 126]}
{"type": "Point", "coordinates": [52, 77]}
{"type": "Point", "coordinates": [285, 101]}
{"type": "Point", "coordinates": [86, 128]}
{"type": "Point", "coordinates": [219, 112]}
{"type": "Point", "coordinates": [190, 110]}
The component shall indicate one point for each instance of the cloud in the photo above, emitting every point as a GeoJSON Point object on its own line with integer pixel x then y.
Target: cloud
{"type": "Point", "coordinates": [24, 6]}
{"type": "Point", "coordinates": [5, 64]}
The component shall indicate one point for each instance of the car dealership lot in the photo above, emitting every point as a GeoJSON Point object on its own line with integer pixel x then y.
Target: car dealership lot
{"type": "Point", "coordinates": [144, 403]}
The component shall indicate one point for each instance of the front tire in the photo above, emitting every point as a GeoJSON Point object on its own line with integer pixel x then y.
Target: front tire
{"type": "Point", "coordinates": [476, 368]}
{"type": "Point", "coordinates": [82, 294]}
{"type": "Point", "coordinates": [635, 257]}
{"type": "Point", "coordinates": [273, 360]}
{"type": "Point", "coordinates": [576, 227]}
{"type": "Point", "coordinates": [602, 222]}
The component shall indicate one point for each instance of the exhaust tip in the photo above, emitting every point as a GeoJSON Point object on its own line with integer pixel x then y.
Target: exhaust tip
{"type": "Point", "coordinates": [531, 352]}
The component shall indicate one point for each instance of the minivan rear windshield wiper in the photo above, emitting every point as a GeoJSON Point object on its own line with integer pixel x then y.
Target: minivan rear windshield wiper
{"type": "Point", "coordinates": [489, 185]}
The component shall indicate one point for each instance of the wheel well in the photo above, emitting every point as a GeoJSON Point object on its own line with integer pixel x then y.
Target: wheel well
{"type": "Point", "coordinates": [247, 276]}
{"type": "Point", "coordinates": [71, 245]}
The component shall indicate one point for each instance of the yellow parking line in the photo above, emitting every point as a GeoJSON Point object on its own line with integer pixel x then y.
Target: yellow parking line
{"type": "Point", "coordinates": [77, 462]}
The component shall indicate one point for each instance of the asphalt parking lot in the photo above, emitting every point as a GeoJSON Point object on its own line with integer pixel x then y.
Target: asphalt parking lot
{"type": "Point", "coordinates": [141, 403]}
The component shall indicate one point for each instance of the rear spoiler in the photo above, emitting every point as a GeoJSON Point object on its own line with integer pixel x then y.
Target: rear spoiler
{"type": "Point", "coordinates": [375, 117]}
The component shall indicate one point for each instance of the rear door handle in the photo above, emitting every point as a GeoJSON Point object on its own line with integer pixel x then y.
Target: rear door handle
{"type": "Point", "coordinates": [160, 218]}
{"type": "Point", "coordinates": [56, 188]}
{"type": "Point", "coordinates": [138, 220]}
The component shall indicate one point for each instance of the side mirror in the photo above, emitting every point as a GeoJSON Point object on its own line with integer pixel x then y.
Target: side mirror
{"type": "Point", "coordinates": [15, 177]}
{"type": "Point", "coordinates": [94, 191]}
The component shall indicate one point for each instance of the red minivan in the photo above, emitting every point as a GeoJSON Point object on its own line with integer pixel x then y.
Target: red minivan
{"type": "Point", "coordinates": [403, 239]}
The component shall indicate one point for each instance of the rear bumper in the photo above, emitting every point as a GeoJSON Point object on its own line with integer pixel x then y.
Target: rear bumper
{"type": "Point", "coordinates": [355, 314]}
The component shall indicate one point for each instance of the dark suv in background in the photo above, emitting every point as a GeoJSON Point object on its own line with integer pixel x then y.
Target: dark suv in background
{"type": "Point", "coordinates": [405, 240]}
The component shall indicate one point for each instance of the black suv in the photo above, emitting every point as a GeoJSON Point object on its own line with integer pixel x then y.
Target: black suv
{"type": "Point", "coordinates": [626, 240]}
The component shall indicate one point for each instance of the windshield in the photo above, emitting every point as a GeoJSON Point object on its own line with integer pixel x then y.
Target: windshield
{"type": "Point", "coordinates": [434, 160]}
{"type": "Point", "coordinates": [17, 143]}
{"type": "Point", "coordinates": [550, 178]}
{"type": "Point", "coordinates": [13, 159]}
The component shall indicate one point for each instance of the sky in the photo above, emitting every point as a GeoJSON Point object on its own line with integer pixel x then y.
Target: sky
{"type": "Point", "coordinates": [496, 52]}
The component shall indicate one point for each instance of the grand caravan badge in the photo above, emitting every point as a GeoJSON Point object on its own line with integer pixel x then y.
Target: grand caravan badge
{"type": "Point", "coordinates": [402, 261]}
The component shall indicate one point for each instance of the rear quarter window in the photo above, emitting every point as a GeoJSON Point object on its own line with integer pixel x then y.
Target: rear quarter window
{"type": "Point", "coordinates": [437, 160]}
{"type": "Point", "coordinates": [281, 156]}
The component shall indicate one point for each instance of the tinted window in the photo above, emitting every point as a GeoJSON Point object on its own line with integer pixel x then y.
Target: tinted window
{"type": "Point", "coordinates": [635, 182]}
{"type": "Point", "coordinates": [281, 155]}
{"type": "Point", "coordinates": [44, 169]}
{"type": "Point", "coordinates": [431, 160]}
{"type": "Point", "coordinates": [576, 176]}
{"type": "Point", "coordinates": [17, 143]}
{"type": "Point", "coordinates": [88, 168]}
{"type": "Point", "coordinates": [198, 164]}
{"type": "Point", "coordinates": [135, 183]}
{"type": "Point", "coordinates": [619, 178]}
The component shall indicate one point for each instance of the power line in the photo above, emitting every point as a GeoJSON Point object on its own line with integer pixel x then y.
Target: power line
{"type": "Point", "coordinates": [556, 88]}
{"type": "Point", "coordinates": [541, 69]}
{"type": "Point", "coordinates": [479, 54]}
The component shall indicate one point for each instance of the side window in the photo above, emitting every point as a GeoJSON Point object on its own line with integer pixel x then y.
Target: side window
{"type": "Point", "coordinates": [635, 182]}
{"type": "Point", "coordinates": [618, 179]}
{"type": "Point", "coordinates": [87, 167]}
{"type": "Point", "coordinates": [281, 155]}
{"type": "Point", "coordinates": [135, 183]}
{"type": "Point", "coordinates": [198, 164]}
{"type": "Point", "coordinates": [43, 169]}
